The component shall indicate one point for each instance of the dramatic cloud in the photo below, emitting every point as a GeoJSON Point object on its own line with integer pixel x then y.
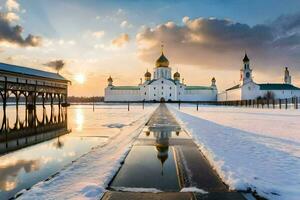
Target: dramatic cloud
{"type": "Point", "coordinates": [121, 40]}
{"type": "Point", "coordinates": [56, 64]}
{"type": "Point", "coordinates": [10, 16]}
{"type": "Point", "coordinates": [12, 5]}
{"type": "Point", "coordinates": [13, 34]}
{"type": "Point", "coordinates": [220, 43]}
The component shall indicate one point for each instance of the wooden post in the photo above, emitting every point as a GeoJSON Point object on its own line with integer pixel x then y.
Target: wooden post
{"type": "Point", "coordinates": [143, 104]}
{"type": "Point", "coordinates": [286, 103]}
{"type": "Point", "coordinates": [268, 103]}
{"type": "Point", "coordinates": [296, 102]}
{"type": "Point", "coordinates": [273, 101]}
{"type": "Point", "coordinates": [197, 105]}
{"type": "Point", "coordinates": [93, 104]}
{"type": "Point", "coordinates": [128, 106]}
{"type": "Point", "coordinates": [179, 105]}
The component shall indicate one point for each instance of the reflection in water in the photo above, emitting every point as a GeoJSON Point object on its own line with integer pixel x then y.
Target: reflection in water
{"type": "Point", "coordinates": [33, 130]}
{"type": "Point", "coordinates": [148, 166]}
{"type": "Point", "coordinates": [48, 147]}
{"type": "Point", "coordinates": [9, 172]}
{"type": "Point", "coordinates": [79, 120]}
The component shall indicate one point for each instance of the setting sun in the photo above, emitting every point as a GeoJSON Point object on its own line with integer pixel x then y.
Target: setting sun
{"type": "Point", "coordinates": [80, 78]}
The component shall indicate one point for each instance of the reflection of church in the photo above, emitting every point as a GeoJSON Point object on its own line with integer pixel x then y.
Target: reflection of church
{"type": "Point", "coordinates": [161, 87]}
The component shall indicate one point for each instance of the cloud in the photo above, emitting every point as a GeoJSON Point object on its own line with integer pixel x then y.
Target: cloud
{"type": "Point", "coordinates": [220, 43]}
{"type": "Point", "coordinates": [13, 34]}
{"type": "Point", "coordinates": [125, 24]}
{"type": "Point", "coordinates": [121, 40]}
{"type": "Point", "coordinates": [57, 65]}
{"type": "Point", "coordinates": [12, 5]}
{"type": "Point", "coordinates": [11, 17]}
{"type": "Point", "coordinates": [98, 34]}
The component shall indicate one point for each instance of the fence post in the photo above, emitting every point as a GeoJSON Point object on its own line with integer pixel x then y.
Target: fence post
{"type": "Point", "coordinates": [273, 101]}
{"type": "Point", "coordinates": [143, 104]}
{"type": "Point", "coordinates": [296, 102]}
{"type": "Point", "coordinates": [286, 103]}
{"type": "Point", "coordinates": [279, 103]}
{"type": "Point", "coordinates": [179, 105]}
{"type": "Point", "coordinates": [128, 106]}
{"type": "Point", "coordinates": [197, 105]}
{"type": "Point", "coordinates": [268, 103]}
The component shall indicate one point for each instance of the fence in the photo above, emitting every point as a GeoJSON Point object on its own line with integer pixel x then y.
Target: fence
{"type": "Point", "coordinates": [254, 103]}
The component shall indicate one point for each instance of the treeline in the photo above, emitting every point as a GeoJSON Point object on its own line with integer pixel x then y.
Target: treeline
{"type": "Point", "coordinates": [73, 99]}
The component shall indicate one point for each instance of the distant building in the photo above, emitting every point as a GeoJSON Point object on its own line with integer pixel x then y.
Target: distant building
{"type": "Point", "coordinates": [162, 87]}
{"type": "Point", "coordinates": [248, 89]}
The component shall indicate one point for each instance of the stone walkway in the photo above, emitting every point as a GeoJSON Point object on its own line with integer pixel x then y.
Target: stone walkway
{"type": "Point", "coordinates": [164, 160]}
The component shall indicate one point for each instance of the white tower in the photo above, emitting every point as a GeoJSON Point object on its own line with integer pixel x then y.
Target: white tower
{"type": "Point", "coordinates": [246, 72]}
{"type": "Point", "coordinates": [110, 81]}
{"type": "Point", "coordinates": [287, 77]}
{"type": "Point", "coordinates": [213, 83]}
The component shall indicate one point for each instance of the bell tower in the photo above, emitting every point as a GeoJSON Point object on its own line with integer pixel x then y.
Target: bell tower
{"type": "Point", "coordinates": [246, 72]}
{"type": "Point", "coordinates": [287, 76]}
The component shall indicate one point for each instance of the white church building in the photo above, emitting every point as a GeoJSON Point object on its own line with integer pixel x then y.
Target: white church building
{"type": "Point", "coordinates": [161, 87]}
{"type": "Point", "coordinates": [247, 89]}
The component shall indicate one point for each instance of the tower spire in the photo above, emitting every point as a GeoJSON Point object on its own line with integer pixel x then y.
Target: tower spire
{"type": "Point", "coordinates": [162, 47]}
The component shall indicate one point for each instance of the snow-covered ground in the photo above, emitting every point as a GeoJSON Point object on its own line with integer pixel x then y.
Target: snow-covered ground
{"type": "Point", "coordinates": [88, 176]}
{"type": "Point", "coordinates": [249, 147]}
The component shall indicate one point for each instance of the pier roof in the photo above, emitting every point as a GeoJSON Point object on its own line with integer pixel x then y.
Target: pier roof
{"type": "Point", "coordinates": [20, 70]}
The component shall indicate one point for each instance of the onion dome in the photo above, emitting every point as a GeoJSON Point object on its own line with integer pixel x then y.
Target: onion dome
{"type": "Point", "coordinates": [213, 79]}
{"type": "Point", "coordinates": [176, 75]}
{"type": "Point", "coordinates": [147, 74]}
{"type": "Point", "coordinates": [110, 79]}
{"type": "Point", "coordinates": [246, 59]}
{"type": "Point", "coordinates": [162, 61]}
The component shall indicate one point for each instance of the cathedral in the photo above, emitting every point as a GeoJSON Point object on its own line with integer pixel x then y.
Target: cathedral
{"type": "Point", "coordinates": [248, 89]}
{"type": "Point", "coordinates": [160, 87]}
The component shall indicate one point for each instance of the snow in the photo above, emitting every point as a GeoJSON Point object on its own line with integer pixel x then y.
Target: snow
{"type": "Point", "coordinates": [193, 189]}
{"type": "Point", "coordinates": [132, 189]}
{"type": "Point", "coordinates": [88, 176]}
{"type": "Point", "coordinates": [248, 147]}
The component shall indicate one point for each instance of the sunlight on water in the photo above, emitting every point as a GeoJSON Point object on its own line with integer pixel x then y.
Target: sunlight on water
{"type": "Point", "coordinates": [79, 119]}
{"type": "Point", "coordinates": [32, 149]}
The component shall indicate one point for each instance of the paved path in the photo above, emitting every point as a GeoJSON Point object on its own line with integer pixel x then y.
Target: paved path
{"type": "Point", "coordinates": [164, 159]}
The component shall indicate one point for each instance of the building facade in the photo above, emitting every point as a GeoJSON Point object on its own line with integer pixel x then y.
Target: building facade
{"type": "Point", "coordinates": [247, 89]}
{"type": "Point", "coordinates": [161, 87]}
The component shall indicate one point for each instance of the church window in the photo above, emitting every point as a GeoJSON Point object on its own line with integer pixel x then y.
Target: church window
{"type": "Point", "coordinates": [162, 87]}
{"type": "Point", "coordinates": [162, 93]}
{"type": "Point", "coordinates": [179, 93]}
{"type": "Point", "coordinates": [162, 81]}
{"type": "Point", "coordinates": [154, 94]}
{"type": "Point", "coordinates": [154, 88]}
{"type": "Point", "coordinates": [170, 88]}
{"type": "Point", "coordinates": [170, 94]}
{"type": "Point", "coordinates": [180, 86]}
{"type": "Point", "coordinates": [145, 93]}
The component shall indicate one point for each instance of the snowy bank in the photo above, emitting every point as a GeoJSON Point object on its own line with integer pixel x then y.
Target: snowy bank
{"type": "Point", "coordinates": [88, 176]}
{"type": "Point", "coordinates": [249, 148]}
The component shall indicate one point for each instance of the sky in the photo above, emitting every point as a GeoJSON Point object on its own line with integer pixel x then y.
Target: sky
{"type": "Point", "coordinates": [87, 41]}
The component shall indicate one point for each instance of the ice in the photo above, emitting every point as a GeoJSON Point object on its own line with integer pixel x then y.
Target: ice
{"type": "Point", "coordinates": [249, 147]}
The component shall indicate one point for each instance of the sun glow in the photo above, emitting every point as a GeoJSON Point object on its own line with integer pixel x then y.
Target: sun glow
{"type": "Point", "coordinates": [80, 78]}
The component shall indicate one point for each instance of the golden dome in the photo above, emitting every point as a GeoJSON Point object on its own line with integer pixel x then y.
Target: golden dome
{"type": "Point", "coordinates": [147, 74]}
{"type": "Point", "coordinates": [109, 79]}
{"type": "Point", "coordinates": [162, 61]}
{"type": "Point", "coordinates": [176, 75]}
